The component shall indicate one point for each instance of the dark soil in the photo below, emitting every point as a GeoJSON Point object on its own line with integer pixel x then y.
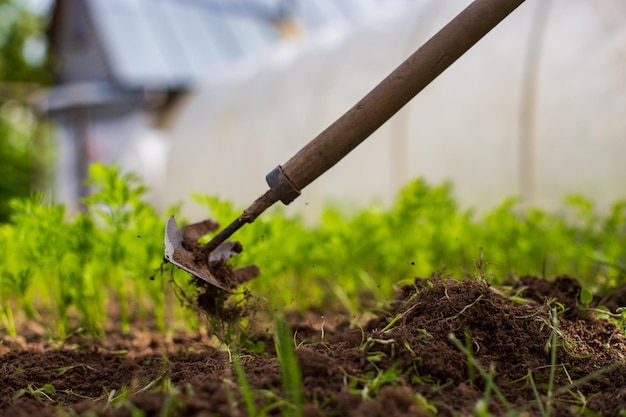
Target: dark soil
{"type": "Point", "coordinates": [217, 275]}
{"type": "Point", "coordinates": [402, 362]}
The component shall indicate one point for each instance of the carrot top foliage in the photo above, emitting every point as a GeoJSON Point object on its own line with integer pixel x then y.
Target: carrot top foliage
{"type": "Point", "coordinates": [104, 265]}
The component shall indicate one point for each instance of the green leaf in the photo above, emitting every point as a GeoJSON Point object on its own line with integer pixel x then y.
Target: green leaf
{"type": "Point", "coordinates": [586, 297]}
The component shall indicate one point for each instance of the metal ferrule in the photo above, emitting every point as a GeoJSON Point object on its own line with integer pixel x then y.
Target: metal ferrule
{"type": "Point", "coordinates": [281, 186]}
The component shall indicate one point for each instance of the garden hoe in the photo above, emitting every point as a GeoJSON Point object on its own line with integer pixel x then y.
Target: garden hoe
{"type": "Point", "coordinates": [340, 138]}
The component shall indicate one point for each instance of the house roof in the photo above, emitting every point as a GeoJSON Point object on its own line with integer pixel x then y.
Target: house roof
{"type": "Point", "coordinates": [169, 43]}
{"type": "Point", "coordinates": [172, 43]}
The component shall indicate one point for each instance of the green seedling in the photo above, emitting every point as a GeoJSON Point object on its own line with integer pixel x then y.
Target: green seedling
{"type": "Point", "coordinates": [7, 320]}
{"type": "Point", "coordinates": [481, 408]}
{"type": "Point", "coordinates": [375, 356]}
{"type": "Point", "coordinates": [290, 370]}
{"type": "Point", "coordinates": [573, 385]}
{"type": "Point", "coordinates": [60, 265]}
{"type": "Point", "coordinates": [392, 322]}
{"type": "Point", "coordinates": [545, 402]}
{"type": "Point", "coordinates": [115, 398]}
{"type": "Point", "coordinates": [577, 395]}
{"type": "Point", "coordinates": [416, 378]}
{"type": "Point", "coordinates": [561, 339]}
{"type": "Point", "coordinates": [248, 394]}
{"type": "Point", "coordinates": [484, 374]}
{"type": "Point", "coordinates": [41, 394]}
{"type": "Point", "coordinates": [470, 364]}
{"type": "Point", "coordinates": [66, 369]}
{"type": "Point", "coordinates": [369, 384]}
{"type": "Point", "coordinates": [553, 346]}
{"type": "Point", "coordinates": [373, 383]}
{"type": "Point", "coordinates": [540, 405]}
{"type": "Point", "coordinates": [425, 405]}
{"type": "Point", "coordinates": [585, 298]}
{"type": "Point", "coordinates": [620, 318]}
{"type": "Point", "coordinates": [173, 403]}
{"type": "Point", "coordinates": [480, 268]}
{"type": "Point", "coordinates": [244, 387]}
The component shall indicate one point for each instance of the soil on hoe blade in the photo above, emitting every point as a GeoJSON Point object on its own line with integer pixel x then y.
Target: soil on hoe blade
{"type": "Point", "coordinates": [212, 270]}
{"type": "Point", "coordinates": [443, 347]}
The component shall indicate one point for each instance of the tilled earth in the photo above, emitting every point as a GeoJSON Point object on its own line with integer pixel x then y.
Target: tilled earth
{"type": "Point", "coordinates": [442, 347]}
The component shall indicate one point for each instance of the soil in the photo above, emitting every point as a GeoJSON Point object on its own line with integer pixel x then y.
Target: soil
{"type": "Point", "coordinates": [404, 361]}
{"type": "Point", "coordinates": [212, 267]}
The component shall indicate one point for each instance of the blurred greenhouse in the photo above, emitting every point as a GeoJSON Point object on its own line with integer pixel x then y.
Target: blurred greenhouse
{"type": "Point", "coordinates": [209, 96]}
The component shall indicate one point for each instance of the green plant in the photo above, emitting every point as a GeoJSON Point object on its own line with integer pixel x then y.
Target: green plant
{"type": "Point", "coordinates": [117, 202]}
{"type": "Point", "coordinates": [80, 266]}
{"type": "Point", "coordinates": [43, 393]}
{"type": "Point", "coordinates": [487, 376]}
{"type": "Point", "coordinates": [374, 381]}
{"type": "Point", "coordinates": [290, 370]}
{"type": "Point", "coordinates": [44, 252]}
{"type": "Point", "coordinates": [24, 148]}
{"type": "Point", "coordinates": [554, 336]}
{"type": "Point", "coordinates": [345, 258]}
{"type": "Point", "coordinates": [111, 255]}
{"type": "Point", "coordinates": [244, 387]}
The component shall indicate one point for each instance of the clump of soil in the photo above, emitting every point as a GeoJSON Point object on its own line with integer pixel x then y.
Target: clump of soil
{"type": "Point", "coordinates": [407, 361]}
{"type": "Point", "coordinates": [218, 276]}
{"type": "Point", "coordinates": [214, 301]}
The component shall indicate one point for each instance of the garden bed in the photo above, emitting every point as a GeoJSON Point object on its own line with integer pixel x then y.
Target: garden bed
{"type": "Point", "coordinates": [442, 346]}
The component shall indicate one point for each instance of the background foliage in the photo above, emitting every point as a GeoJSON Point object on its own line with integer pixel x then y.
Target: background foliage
{"type": "Point", "coordinates": [23, 149]}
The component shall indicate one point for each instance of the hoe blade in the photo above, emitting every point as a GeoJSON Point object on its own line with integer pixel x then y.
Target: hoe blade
{"type": "Point", "coordinates": [183, 250]}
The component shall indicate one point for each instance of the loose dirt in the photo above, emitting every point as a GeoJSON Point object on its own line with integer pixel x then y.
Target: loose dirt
{"type": "Point", "coordinates": [406, 361]}
{"type": "Point", "coordinates": [219, 274]}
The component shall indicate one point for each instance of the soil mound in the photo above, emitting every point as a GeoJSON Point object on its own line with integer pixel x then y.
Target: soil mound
{"type": "Point", "coordinates": [442, 347]}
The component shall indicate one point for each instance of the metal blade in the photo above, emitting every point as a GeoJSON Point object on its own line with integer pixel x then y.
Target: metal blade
{"type": "Point", "coordinates": [177, 254]}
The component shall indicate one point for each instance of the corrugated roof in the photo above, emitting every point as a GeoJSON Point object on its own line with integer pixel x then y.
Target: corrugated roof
{"type": "Point", "coordinates": [171, 43]}
{"type": "Point", "coordinates": [174, 43]}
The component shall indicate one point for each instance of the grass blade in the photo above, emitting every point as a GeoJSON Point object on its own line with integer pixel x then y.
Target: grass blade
{"type": "Point", "coordinates": [290, 370]}
{"type": "Point", "coordinates": [244, 386]}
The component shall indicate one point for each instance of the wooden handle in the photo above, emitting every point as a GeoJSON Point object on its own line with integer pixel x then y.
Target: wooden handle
{"type": "Point", "coordinates": [345, 134]}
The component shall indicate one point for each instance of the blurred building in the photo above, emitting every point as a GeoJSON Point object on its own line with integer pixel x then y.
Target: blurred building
{"type": "Point", "coordinates": [122, 66]}
{"type": "Point", "coordinates": [208, 96]}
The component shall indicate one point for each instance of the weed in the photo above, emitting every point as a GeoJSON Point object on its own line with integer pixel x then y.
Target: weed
{"type": "Point", "coordinates": [63, 370]}
{"type": "Point", "coordinates": [41, 394]}
{"type": "Point", "coordinates": [480, 268]}
{"type": "Point", "coordinates": [553, 346]}
{"type": "Point", "coordinates": [244, 387]}
{"type": "Point", "coordinates": [116, 398]}
{"type": "Point", "coordinates": [290, 370]}
{"type": "Point", "coordinates": [173, 403]}
{"type": "Point", "coordinates": [487, 376]}
{"type": "Point", "coordinates": [425, 405]}
{"type": "Point", "coordinates": [249, 395]}
{"type": "Point", "coordinates": [370, 383]}
{"type": "Point", "coordinates": [585, 298]}
{"type": "Point", "coordinates": [374, 382]}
